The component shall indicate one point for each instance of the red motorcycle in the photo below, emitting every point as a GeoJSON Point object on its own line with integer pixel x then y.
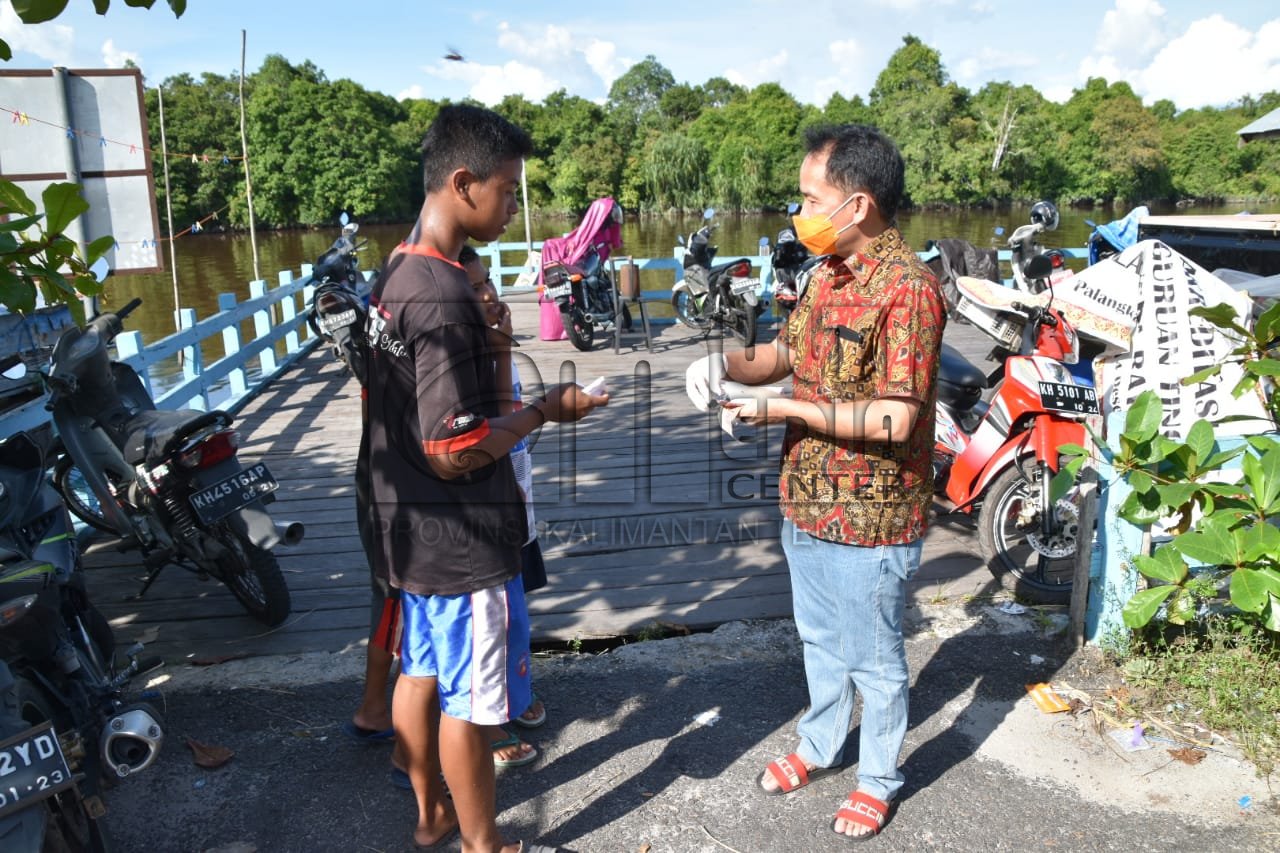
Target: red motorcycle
{"type": "Point", "coordinates": [999, 458]}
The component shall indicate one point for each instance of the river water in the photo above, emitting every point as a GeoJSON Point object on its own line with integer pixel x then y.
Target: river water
{"type": "Point", "coordinates": [210, 264]}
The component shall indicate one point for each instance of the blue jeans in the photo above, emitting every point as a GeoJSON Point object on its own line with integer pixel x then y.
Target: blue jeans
{"type": "Point", "coordinates": [848, 602]}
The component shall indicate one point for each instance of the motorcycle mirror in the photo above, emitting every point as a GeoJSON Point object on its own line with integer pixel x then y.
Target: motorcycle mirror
{"type": "Point", "coordinates": [100, 269]}
{"type": "Point", "coordinates": [344, 219]}
{"type": "Point", "coordinates": [679, 239]}
{"type": "Point", "coordinates": [351, 228]}
{"type": "Point", "coordinates": [18, 371]}
{"type": "Point", "coordinates": [1038, 267]}
{"type": "Point", "coordinates": [708, 213]}
{"type": "Point", "coordinates": [793, 208]}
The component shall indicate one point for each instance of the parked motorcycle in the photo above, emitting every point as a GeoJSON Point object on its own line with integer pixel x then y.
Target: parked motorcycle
{"type": "Point", "coordinates": [64, 725]}
{"type": "Point", "coordinates": [792, 265]}
{"type": "Point", "coordinates": [1000, 458]}
{"type": "Point", "coordinates": [723, 295]}
{"type": "Point", "coordinates": [339, 304]}
{"type": "Point", "coordinates": [1024, 246]}
{"type": "Point", "coordinates": [585, 294]}
{"type": "Point", "coordinates": [167, 482]}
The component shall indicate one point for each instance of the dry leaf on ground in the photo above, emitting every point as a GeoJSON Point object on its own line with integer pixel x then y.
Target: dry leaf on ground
{"type": "Point", "coordinates": [1187, 755]}
{"type": "Point", "coordinates": [209, 756]}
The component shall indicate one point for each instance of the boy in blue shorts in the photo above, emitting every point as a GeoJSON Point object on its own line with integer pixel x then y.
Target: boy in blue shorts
{"type": "Point", "coordinates": [448, 522]}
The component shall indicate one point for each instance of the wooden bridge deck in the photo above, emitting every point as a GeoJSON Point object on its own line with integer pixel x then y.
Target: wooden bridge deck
{"type": "Point", "coordinates": [647, 513]}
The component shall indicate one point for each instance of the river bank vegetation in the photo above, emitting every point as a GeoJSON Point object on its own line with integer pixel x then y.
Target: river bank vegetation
{"type": "Point", "coordinates": [318, 146]}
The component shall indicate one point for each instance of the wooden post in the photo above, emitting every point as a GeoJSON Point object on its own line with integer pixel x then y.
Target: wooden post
{"type": "Point", "coordinates": [192, 360]}
{"type": "Point", "coordinates": [262, 328]}
{"type": "Point", "coordinates": [231, 343]}
{"type": "Point", "coordinates": [168, 207]}
{"type": "Point", "coordinates": [244, 146]}
{"type": "Point", "coordinates": [288, 310]}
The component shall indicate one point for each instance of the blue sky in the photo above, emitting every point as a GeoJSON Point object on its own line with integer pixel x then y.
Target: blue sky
{"type": "Point", "coordinates": [1194, 53]}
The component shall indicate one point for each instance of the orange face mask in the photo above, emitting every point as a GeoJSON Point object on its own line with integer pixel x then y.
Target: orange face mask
{"type": "Point", "coordinates": [817, 233]}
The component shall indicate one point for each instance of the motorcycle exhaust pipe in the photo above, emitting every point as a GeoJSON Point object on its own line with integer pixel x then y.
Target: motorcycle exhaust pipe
{"type": "Point", "coordinates": [132, 741]}
{"type": "Point", "coordinates": [290, 532]}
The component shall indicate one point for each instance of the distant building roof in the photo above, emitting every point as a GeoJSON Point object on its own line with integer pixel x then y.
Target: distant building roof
{"type": "Point", "coordinates": [1267, 127]}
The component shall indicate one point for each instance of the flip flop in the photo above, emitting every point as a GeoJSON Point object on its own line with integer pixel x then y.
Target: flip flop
{"type": "Point", "coordinates": [401, 780]}
{"type": "Point", "coordinates": [527, 723]}
{"type": "Point", "coordinates": [363, 735]}
{"type": "Point", "coordinates": [528, 758]}
{"type": "Point", "coordinates": [791, 774]}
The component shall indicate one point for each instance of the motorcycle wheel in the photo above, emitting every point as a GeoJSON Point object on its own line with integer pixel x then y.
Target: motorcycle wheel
{"type": "Point", "coordinates": [687, 311]}
{"type": "Point", "coordinates": [253, 575]}
{"type": "Point", "coordinates": [75, 493]}
{"type": "Point", "coordinates": [68, 828]}
{"type": "Point", "coordinates": [1036, 568]}
{"type": "Point", "coordinates": [744, 325]}
{"type": "Point", "coordinates": [581, 332]}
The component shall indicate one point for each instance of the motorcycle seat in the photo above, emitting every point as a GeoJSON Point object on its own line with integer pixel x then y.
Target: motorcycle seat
{"type": "Point", "coordinates": [153, 435]}
{"type": "Point", "coordinates": [960, 382]}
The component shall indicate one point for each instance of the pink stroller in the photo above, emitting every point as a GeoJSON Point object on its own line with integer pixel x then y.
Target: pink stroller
{"type": "Point", "coordinates": [577, 295]}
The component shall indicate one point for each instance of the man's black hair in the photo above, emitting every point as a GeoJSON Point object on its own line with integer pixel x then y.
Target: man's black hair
{"type": "Point", "coordinates": [468, 254]}
{"type": "Point", "coordinates": [860, 157]}
{"type": "Point", "coordinates": [472, 138]}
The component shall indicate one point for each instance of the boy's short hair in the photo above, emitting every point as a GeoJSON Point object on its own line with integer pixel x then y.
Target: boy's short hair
{"type": "Point", "coordinates": [468, 254]}
{"type": "Point", "coordinates": [860, 157]}
{"type": "Point", "coordinates": [472, 138]}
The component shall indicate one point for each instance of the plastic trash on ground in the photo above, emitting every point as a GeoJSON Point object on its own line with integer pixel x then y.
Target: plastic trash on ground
{"type": "Point", "coordinates": [1046, 700]}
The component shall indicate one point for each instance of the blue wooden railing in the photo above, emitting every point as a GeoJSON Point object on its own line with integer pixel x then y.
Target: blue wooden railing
{"type": "Point", "coordinates": [277, 313]}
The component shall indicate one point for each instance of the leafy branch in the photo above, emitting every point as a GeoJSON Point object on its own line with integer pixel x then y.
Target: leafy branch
{"type": "Point", "coordinates": [39, 11]}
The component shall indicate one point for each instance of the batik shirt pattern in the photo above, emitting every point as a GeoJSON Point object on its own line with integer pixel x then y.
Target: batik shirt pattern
{"type": "Point", "coordinates": [868, 327]}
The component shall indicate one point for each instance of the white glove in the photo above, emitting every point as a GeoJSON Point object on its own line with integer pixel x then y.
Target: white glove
{"type": "Point", "coordinates": [703, 381]}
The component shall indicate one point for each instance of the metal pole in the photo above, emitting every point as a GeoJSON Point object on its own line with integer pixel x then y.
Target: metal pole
{"type": "Point", "coordinates": [75, 230]}
{"type": "Point", "coordinates": [244, 145]}
{"type": "Point", "coordinates": [168, 209]}
{"type": "Point", "coordinates": [524, 192]}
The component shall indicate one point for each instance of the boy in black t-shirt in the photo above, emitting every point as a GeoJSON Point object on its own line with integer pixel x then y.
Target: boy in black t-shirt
{"type": "Point", "coordinates": [447, 518]}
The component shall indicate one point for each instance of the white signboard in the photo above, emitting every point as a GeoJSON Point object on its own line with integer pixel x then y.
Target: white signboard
{"type": "Point", "coordinates": [87, 127]}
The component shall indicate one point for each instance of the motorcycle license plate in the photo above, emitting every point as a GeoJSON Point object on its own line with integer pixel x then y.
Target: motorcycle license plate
{"type": "Point", "coordinates": [738, 286]}
{"type": "Point", "coordinates": [329, 322]}
{"type": "Point", "coordinates": [558, 292]}
{"type": "Point", "coordinates": [227, 496]}
{"type": "Point", "coordinates": [32, 768]}
{"type": "Point", "coordinates": [1063, 397]}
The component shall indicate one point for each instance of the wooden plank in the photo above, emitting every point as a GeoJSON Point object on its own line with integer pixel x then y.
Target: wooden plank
{"type": "Point", "coordinates": [646, 513]}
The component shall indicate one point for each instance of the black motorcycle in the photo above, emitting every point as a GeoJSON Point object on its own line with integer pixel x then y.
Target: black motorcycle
{"type": "Point", "coordinates": [167, 482]}
{"type": "Point", "coordinates": [723, 295]}
{"type": "Point", "coordinates": [339, 304]}
{"type": "Point", "coordinates": [792, 265]}
{"type": "Point", "coordinates": [64, 726]}
{"type": "Point", "coordinates": [585, 294]}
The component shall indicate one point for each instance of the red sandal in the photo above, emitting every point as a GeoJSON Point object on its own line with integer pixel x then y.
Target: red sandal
{"type": "Point", "coordinates": [865, 810]}
{"type": "Point", "coordinates": [791, 774]}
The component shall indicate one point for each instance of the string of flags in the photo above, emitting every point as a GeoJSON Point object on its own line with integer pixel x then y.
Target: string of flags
{"type": "Point", "coordinates": [22, 119]}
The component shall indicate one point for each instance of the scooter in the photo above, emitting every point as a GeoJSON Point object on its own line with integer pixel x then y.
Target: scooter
{"type": "Point", "coordinates": [722, 296]}
{"type": "Point", "coordinates": [999, 459]}
{"type": "Point", "coordinates": [339, 305]}
{"type": "Point", "coordinates": [792, 266]}
{"type": "Point", "coordinates": [168, 483]}
{"type": "Point", "coordinates": [64, 724]}
{"type": "Point", "coordinates": [1024, 245]}
{"type": "Point", "coordinates": [584, 292]}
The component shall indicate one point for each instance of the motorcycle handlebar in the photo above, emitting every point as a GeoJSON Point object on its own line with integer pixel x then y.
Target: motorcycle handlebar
{"type": "Point", "coordinates": [129, 308]}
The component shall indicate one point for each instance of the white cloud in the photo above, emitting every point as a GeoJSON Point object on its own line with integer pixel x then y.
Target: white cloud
{"type": "Point", "coordinates": [766, 70]}
{"type": "Point", "coordinates": [1214, 63]}
{"type": "Point", "coordinates": [490, 83]}
{"type": "Point", "coordinates": [113, 57]}
{"type": "Point", "coordinates": [1134, 29]}
{"type": "Point", "coordinates": [545, 46]}
{"type": "Point", "coordinates": [415, 91]}
{"type": "Point", "coordinates": [992, 64]}
{"type": "Point", "coordinates": [603, 59]}
{"type": "Point", "coordinates": [981, 8]}
{"type": "Point", "coordinates": [53, 42]}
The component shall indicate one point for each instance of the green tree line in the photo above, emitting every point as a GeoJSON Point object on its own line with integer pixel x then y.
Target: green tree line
{"type": "Point", "coordinates": [319, 147]}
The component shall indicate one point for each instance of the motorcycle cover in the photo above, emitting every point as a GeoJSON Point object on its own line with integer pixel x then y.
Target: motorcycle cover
{"type": "Point", "coordinates": [599, 227]}
{"type": "Point", "coordinates": [957, 258]}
